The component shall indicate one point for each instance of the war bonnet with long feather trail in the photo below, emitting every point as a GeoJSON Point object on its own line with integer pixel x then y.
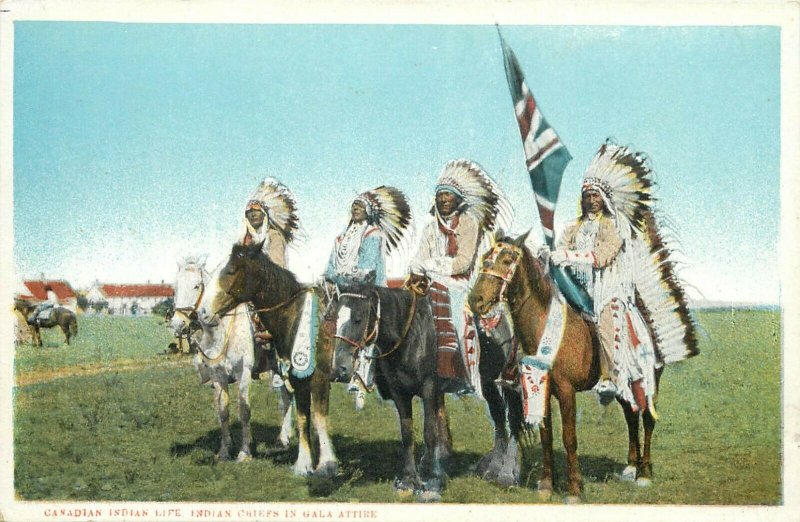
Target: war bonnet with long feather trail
{"type": "Point", "coordinates": [624, 180]}
{"type": "Point", "coordinates": [482, 198]}
{"type": "Point", "coordinates": [278, 202]}
{"type": "Point", "coordinates": [388, 208]}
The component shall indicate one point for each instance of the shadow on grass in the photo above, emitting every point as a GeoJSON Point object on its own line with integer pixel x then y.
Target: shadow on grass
{"type": "Point", "coordinates": [364, 463]}
{"type": "Point", "coordinates": [360, 462]}
{"type": "Point", "coordinates": [262, 435]}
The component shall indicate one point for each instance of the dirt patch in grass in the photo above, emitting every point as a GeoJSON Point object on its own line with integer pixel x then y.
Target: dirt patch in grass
{"type": "Point", "coordinates": [123, 365]}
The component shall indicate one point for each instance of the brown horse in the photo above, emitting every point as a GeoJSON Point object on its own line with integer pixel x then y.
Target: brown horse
{"type": "Point", "coordinates": [59, 316]}
{"type": "Point", "coordinates": [250, 276]}
{"type": "Point", "coordinates": [527, 289]}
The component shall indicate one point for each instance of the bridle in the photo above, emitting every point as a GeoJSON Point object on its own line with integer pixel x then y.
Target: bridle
{"type": "Point", "coordinates": [190, 312]}
{"type": "Point", "coordinates": [489, 268]}
{"type": "Point", "coordinates": [367, 337]}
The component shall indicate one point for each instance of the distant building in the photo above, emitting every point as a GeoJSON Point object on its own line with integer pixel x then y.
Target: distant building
{"type": "Point", "coordinates": [129, 299]}
{"type": "Point", "coordinates": [35, 290]}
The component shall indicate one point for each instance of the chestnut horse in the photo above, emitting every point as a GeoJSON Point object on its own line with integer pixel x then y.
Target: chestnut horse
{"type": "Point", "coordinates": [527, 289]}
{"type": "Point", "coordinates": [249, 275]}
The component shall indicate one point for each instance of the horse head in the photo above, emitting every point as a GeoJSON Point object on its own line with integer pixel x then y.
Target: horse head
{"type": "Point", "coordinates": [238, 280]}
{"type": "Point", "coordinates": [505, 275]}
{"type": "Point", "coordinates": [190, 284]}
{"type": "Point", "coordinates": [357, 321]}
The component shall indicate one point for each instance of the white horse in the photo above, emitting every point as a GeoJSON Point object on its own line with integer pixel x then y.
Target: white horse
{"type": "Point", "coordinates": [224, 355]}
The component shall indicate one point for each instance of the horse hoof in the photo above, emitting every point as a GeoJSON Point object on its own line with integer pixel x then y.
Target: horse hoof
{"type": "Point", "coordinates": [544, 488]}
{"type": "Point", "coordinates": [222, 457]}
{"type": "Point", "coordinates": [302, 471]}
{"type": "Point", "coordinates": [406, 488]}
{"type": "Point", "coordinates": [404, 493]}
{"type": "Point", "coordinates": [643, 482]}
{"type": "Point", "coordinates": [507, 480]}
{"type": "Point", "coordinates": [572, 500]}
{"type": "Point", "coordinates": [429, 496]}
{"type": "Point", "coordinates": [244, 457]}
{"type": "Point", "coordinates": [326, 470]}
{"type": "Point", "coordinates": [628, 474]}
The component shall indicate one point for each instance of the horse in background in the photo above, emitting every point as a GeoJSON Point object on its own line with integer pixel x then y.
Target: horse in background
{"type": "Point", "coordinates": [249, 276]}
{"type": "Point", "coordinates": [59, 316]}
{"type": "Point", "coordinates": [527, 292]}
{"type": "Point", "coordinates": [399, 322]}
{"type": "Point", "coordinates": [224, 354]}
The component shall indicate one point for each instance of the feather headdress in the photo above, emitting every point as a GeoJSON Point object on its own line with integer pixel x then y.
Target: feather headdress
{"type": "Point", "coordinates": [388, 208]}
{"type": "Point", "coordinates": [481, 196]}
{"type": "Point", "coordinates": [278, 202]}
{"type": "Point", "coordinates": [624, 180]}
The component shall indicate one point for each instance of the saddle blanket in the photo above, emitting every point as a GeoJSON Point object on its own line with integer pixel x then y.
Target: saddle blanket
{"type": "Point", "coordinates": [449, 361]}
{"type": "Point", "coordinates": [304, 346]}
{"type": "Point", "coordinates": [534, 371]}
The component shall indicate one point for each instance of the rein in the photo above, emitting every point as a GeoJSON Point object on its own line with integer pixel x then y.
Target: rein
{"type": "Point", "coordinates": [189, 311]}
{"type": "Point", "coordinates": [406, 328]}
{"type": "Point", "coordinates": [224, 351]}
{"type": "Point", "coordinates": [286, 302]}
{"type": "Point", "coordinates": [360, 345]}
{"type": "Point", "coordinates": [365, 338]}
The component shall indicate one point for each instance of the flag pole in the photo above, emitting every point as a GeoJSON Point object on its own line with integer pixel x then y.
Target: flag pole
{"type": "Point", "coordinates": [546, 159]}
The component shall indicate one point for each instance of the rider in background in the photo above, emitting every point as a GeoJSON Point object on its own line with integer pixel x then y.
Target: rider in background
{"type": "Point", "coordinates": [378, 220]}
{"type": "Point", "coordinates": [52, 302]}
{"type": "Point", "coordinates": [467, 206]}
{"type": "Point", "coordinates": [270, 219]}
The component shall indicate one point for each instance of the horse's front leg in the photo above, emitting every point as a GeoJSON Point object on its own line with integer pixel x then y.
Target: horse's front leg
{"type": "Point", "coordinates": [37, 336]}
{"type": "Point", "coordinates": [569, 436]}
{"type": "Point", "coordinates": [511, 457]}
{"type": "Point", "coordinates": [545, 484]}
{"type": "Point", "coordinates": [328, 466]}
{"type": "Point", "coordinates": [221, 402]}
{"type": "Point", "coordinates": [287, 425]}
{"type": "Point", "coordinates": [634, 450]}
{"type": "Point", "coordinates": [409, 480]}
{"type": "Point", "coordinates": [430, 466]}
{"type": "Point", "coordinates": [645, 472]}
{"type": "Point", "coordinates": [244, 417]}
{"type": "Point", "coordinates": [303, 466]}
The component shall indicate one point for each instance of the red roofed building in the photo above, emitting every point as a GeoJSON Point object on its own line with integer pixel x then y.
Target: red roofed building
{"type": "Point", "coordinates": [37, 291]}
{"type": "Point", "coordinates": [130, 299]}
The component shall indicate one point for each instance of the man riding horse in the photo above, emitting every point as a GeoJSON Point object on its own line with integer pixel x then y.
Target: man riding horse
{"type": "Point", "coordinates": [378, 221]}
{"type": "Point", "coordinates": [43, 310]}
{"type": "Point", "coordinates": [271, 220]}
{"type": "Point", "coordinates": [467, 205]}
{"type": "Point", "coordinates": [605, 250]}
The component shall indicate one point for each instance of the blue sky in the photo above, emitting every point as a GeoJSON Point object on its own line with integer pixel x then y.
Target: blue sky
{"type": "Point", "coordinates": [137, 143]}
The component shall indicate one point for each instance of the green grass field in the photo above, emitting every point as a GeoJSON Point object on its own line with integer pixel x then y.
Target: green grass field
{"type": "Point", "coordinates": [148, 432]}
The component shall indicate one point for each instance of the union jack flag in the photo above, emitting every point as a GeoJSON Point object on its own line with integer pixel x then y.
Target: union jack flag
{"type": "Point", "coordinates": [546, 158]}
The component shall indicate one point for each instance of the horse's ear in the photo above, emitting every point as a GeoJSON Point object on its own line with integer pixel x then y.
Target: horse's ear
{"type": "Point", "coordinates": [497, 236]}
{"type": "Point", "coordinates": [520, 241]}
{"type": "Point", "coordinates": [255, 248]}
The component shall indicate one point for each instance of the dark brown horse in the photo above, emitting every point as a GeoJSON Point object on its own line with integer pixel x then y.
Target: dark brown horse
{"type": "Point", "coordinates": [527, 290]}
{"type": "Point", "coordinates": [399, 322]}
{"type": "Point", "coordinates": [250, 276]}
{"type": "Point", "coordinates": [59, 316]}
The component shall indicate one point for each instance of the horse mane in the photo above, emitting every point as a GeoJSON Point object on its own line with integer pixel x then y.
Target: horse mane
{"type": "Point", "coordinates": [276, 277]}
